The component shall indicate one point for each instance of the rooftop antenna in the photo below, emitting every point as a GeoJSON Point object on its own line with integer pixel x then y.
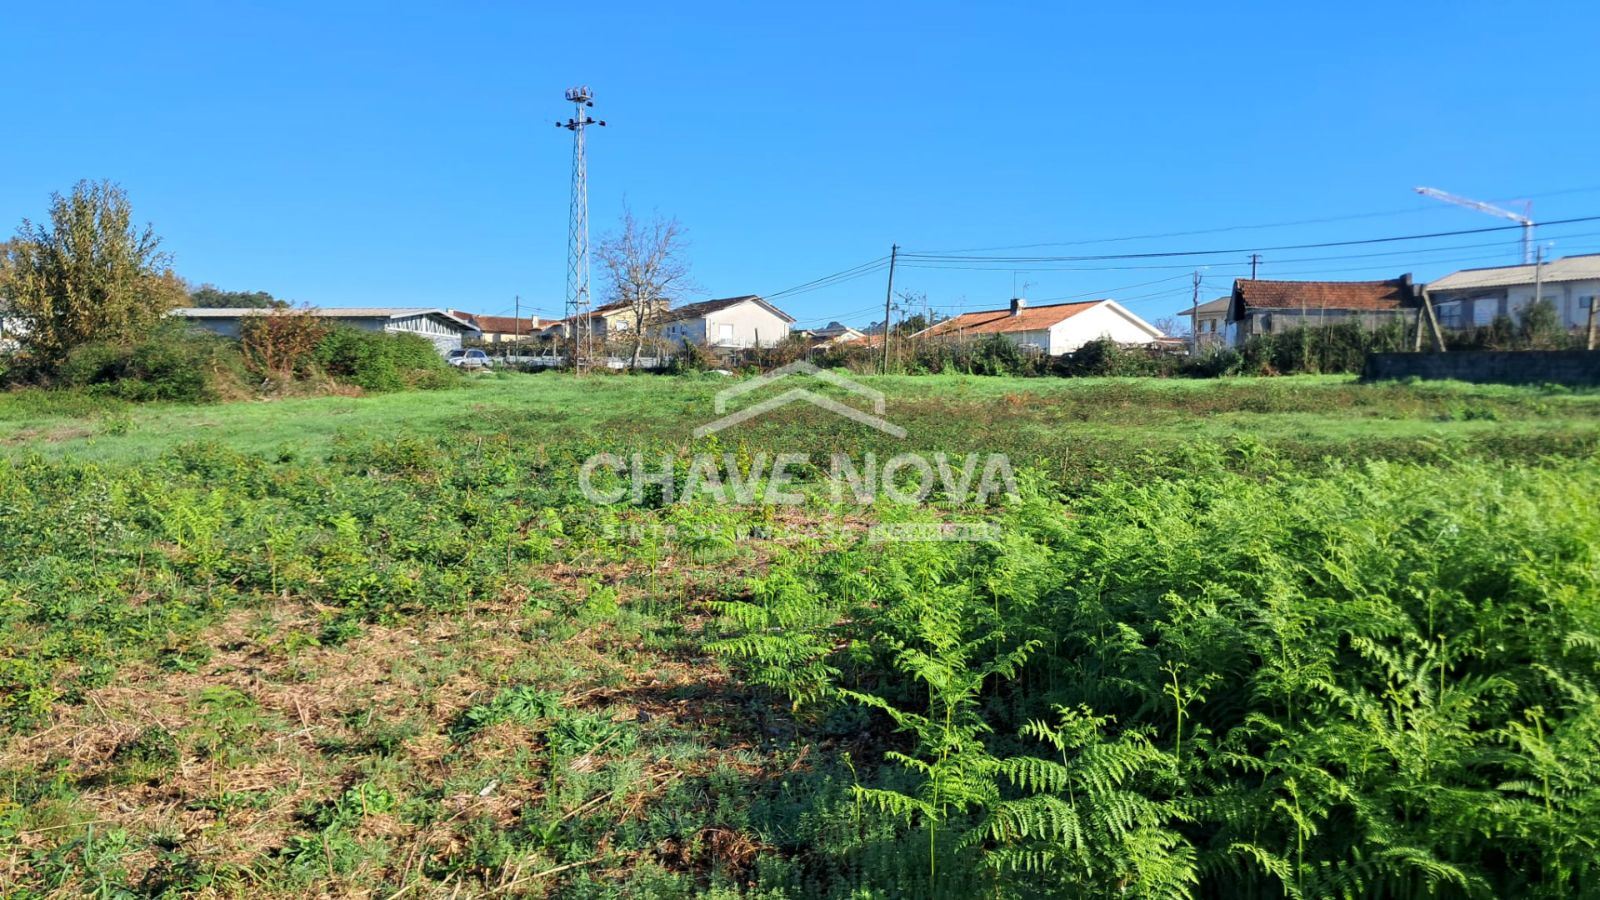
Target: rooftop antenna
{"type": "Point", "coordinates": [1524, 218]}
{"type": "Point", "coordinates": [578, 301]}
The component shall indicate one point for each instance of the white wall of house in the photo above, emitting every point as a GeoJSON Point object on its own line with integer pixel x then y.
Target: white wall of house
{"type": "Point", "coordinates": [747, 324]}
{"type": "Point", "coordinates": [740, 326]}
{"type": "Point", "coordinates": [1107, 321]}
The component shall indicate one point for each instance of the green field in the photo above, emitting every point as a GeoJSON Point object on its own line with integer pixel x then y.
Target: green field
{"type": "Point", "coordinates": [1255, 637]}
{"type": "Point", "coordinates": [1046, 418]}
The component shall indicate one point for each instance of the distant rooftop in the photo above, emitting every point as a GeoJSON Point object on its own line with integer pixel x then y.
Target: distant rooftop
{"type": "Point", "coordinates": [1001, 321]}
{"type": "Point", "coordinates": [1370, 295]}
{"type": "Point", "coordinates": [347, 312]}
{"type": "Point", "coordinates": [1567, 268]}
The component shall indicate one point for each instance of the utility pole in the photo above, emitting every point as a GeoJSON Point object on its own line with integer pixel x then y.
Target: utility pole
{"type": "Point", "coordinates": [1194, 314]}
{"type": "Point", "coordinates": [1592, 302]}
{"type": "Point", "coordinates": [578, 227]}
{"type": "Point", "coordinates": [888, 298]}
{"type": "Point", "coordinates": [1255, 258]}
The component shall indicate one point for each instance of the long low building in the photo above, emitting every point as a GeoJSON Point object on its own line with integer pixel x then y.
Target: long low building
{"type": "Point", "coordinates": [1476, 297]}
{"type": "Point", "coordinates": [445, 330]}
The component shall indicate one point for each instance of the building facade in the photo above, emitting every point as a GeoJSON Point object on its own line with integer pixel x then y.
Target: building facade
{"type": "Point", "coordinates": [1260, 307]}
{"type": "Point", "coordinates": [444, 330]}
{"type": "Point", "coordinates": [1473, 298]}
{"type": "Point", "coordinates": [733, 323]}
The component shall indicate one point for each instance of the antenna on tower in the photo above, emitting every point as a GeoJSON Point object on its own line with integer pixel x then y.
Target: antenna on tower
{"type": "Point", "coordinates": [578, 300]}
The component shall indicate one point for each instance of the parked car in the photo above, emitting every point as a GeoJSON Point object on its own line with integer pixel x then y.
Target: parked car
{"type": "Point", "coordinates": [469, 359]}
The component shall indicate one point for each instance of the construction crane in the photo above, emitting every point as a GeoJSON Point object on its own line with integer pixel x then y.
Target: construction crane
{"type": "Point", "coordinates": [1523, 218]}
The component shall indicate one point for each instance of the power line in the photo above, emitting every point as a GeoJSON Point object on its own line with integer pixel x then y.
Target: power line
{"type": "Point", "coordinates": [1171, 253]}
{"type": "Point", "coordinates": [1289, 224]}
{"type": "Point", "coordinates": [842, 275]}
{"type": "Point", "coordinates": [1004, 267]}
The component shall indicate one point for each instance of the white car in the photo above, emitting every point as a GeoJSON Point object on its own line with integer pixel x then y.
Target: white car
{"type": "Point", "coordinates": [469, 359]}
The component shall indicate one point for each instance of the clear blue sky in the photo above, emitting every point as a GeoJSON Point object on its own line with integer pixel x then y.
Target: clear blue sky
{"type": "Point", "coordinates": [405, 154]}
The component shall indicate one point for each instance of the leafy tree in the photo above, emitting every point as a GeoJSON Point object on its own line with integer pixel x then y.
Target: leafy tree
{"type": "Point", "coordinates": [89, 275]}
{"type": "Point", "coordinates": [209, 296]}
{"type": "Point", "coordinates": [644, 265]}
{"type": "Point", "coordinates": [1541, 325]}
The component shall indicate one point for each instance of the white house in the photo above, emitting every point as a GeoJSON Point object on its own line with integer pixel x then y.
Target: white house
{"type": "Point", "coordinates": [446, 331]}
{"type": "Point", "coordinates": [731, 323]}
{"type": "Point", "coordinates": [1055, 329]}
{"type": "Point", "coordinates": [1208, 323]}
{"type": "Point", "coordinates": [1476, 297]}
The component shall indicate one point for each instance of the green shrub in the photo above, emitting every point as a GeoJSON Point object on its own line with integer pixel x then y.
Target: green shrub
{"type": "Point", "coordinates": [174, 363]}
{"type": "Point", "coordinates": [382, 361]}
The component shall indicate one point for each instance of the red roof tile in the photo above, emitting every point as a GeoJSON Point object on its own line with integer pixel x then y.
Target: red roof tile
{"type": "Point", "coordinates": [1392, 294]}
{"type": "Point", "coordinates": [1000, 321]}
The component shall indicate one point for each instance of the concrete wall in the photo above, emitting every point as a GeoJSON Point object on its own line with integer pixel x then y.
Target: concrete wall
{"type": "Point", "coordinates": [1571, 367]}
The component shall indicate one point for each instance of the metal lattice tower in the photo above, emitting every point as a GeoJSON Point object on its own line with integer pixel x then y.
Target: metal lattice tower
{"type": "Point", "coordinates": [578, 299]}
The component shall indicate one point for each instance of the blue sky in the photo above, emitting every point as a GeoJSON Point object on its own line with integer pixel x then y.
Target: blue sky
{"type": "Point", "coordinates": [404, 154]}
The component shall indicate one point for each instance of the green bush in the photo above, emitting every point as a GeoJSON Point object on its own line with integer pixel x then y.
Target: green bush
{"type": "Point", "coordinates": [172, 364]}
{"type": "Point", "coordinates": [382, 361]}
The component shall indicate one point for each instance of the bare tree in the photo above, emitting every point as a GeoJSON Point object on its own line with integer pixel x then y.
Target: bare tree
{"type": "Point", "coordinates": [644, 268]}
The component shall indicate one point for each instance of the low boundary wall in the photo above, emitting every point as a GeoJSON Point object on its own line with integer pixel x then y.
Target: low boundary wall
{"type": "Point", "coordinates": [1577, 368]}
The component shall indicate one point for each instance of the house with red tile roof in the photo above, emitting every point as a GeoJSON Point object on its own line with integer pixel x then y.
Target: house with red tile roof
{"type": "Point", "coordinates": [1267, 307]}
{"type": "Point", "coordinates": [503, 328]}
{"type": "Point", "coordinates": [1053, 329]}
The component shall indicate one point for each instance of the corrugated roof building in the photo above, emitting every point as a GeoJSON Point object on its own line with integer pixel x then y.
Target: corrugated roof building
{"type": "Point", "coordinates": [445, 330]}
{"type": "Point", "coordinates": [1476, 297]}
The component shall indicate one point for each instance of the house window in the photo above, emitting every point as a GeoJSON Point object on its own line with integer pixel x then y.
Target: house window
{"type": "Point", "coordinates": [725, 334]}
{"type": "Point", "coordinates": [1586, 302]}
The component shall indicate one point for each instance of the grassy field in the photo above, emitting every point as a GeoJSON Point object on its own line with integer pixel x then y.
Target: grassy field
{"type": "Point", "coordinates": [1032, 418]}
{"type": "Point", "coordinates": [382, 646]}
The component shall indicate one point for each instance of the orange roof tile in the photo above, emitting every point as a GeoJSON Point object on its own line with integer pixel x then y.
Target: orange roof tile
{"type": "Point", "coordinates": [1000, 321]}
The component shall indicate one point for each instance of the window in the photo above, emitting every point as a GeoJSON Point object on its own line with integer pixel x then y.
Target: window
{"type": "Point", "coordinates": [725, 334]}
{"type": "Point", "coordinates": [1586, 302]}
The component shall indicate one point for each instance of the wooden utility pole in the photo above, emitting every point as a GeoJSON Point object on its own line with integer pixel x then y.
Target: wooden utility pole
{"type": "Point", "coordinates": [1433, 322]}
{"type": "Point", "coordinates": [1592, 302]}
{"type": "Point", "coordinates": [888, 298]}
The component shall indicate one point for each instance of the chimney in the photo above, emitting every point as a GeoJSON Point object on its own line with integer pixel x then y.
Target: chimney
{"type": "Point", "coordinates": [1017, 303]}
